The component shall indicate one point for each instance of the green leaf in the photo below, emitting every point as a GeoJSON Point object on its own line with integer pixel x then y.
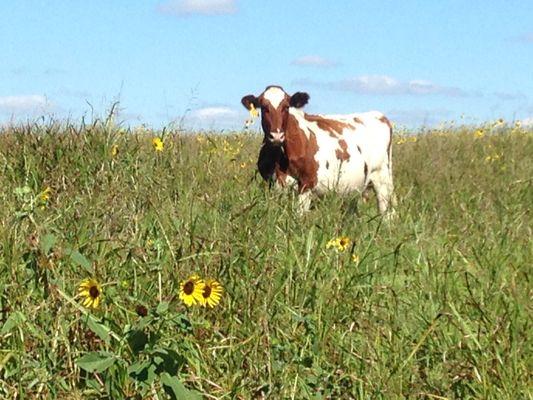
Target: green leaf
{"type": "Point", "coordinates": [143, 371]}
{"type": "Point", "coordinates": [96, 362]}
{"type": "Point", "coordinates": [21, 191]}
{"type": "Point", "coordinates": [12, 322]}
{"type": "Point", "coordinates": [101, 330]}
{"type": "Point", "coordinates": [80, 260]}
{"type": "Point", "coordinates": [177, 388]}
{"type": "Point", "coordinates": [309, 245]}
{"type": "Point", "coordinates": [162, 308]}
{"type": "Point", "coordinates": [47, 242]}
{"type": "Point", "coordinates": [137, 340]}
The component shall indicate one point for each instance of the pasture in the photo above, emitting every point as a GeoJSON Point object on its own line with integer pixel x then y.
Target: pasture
{"type": "Point", "coordinates": [434, 305]}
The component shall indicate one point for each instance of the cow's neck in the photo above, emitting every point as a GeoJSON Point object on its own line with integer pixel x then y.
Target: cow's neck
{"type": "Point", "coordinates": [300, 148]}
{"type": "Point", "coordinates": [296, 134]}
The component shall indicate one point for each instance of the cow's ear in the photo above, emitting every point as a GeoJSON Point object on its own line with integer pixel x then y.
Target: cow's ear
{"type": "Point", "coordinates": [248, 100]}
{"type": "Point", "coordinates": [299, 99]}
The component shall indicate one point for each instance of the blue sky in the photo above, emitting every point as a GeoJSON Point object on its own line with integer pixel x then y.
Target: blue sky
{"type": "Point", "coordinates": [191, 61]}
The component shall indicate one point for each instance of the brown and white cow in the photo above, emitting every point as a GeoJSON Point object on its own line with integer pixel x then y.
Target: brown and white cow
{"type": "Point", "coordinates": [343, 153]}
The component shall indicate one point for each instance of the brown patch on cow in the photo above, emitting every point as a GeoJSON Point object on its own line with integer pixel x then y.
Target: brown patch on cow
{"type": "Point", "coordinates": [386, 121]}
{"type": "Point", "coordinates": [342, 153]}
{"type": "Point", "coordinates": [301, 152]}
{"type": "Point", "coordinates": [332, 126]}
{"type": "Point", "coordinates": [358, 121]}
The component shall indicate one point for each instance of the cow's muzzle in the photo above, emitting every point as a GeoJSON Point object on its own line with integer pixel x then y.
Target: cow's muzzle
{"type": "Point", "coordinates": [276, 138]}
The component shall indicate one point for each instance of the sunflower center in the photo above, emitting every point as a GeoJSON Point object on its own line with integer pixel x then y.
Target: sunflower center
{"type": "Point", "coordinates": [94, 292]}
{"type": "Point", "coordinates": [207, 292]}
{"type": "Point", "coordinates": [188, 288]}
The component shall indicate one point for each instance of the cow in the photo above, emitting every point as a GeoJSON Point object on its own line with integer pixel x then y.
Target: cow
{"type": "Point", "coordinates": [319, 153]}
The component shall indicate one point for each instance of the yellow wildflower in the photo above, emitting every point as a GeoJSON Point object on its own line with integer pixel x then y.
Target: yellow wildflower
{"type": "Point", "coordinates": [191, 291]}
{"type": "Point", "coordinates": [114, 150]}
{"type": "Point", "coordinates": [91, 291]}
{"type": "Point", "coordinates": [158, 144]}
{"type": "Point", "coordinates": [331, 243]}
{"type": "Point", "coordinates": [344, 242]}
{"type": "Point", "coordinates": [254, 113]}
{"type": "Point", "coordinates": [339, 244]}
{"type": "Point", "coordinates": [44, 196]}
{"type": "Point", "coordinates": [212, 293]}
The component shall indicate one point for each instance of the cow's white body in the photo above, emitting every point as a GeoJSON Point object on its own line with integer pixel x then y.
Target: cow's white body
{"type": "Point", "coordinates": [320, 153]}
{"type": "Point", "coordinates": [366, 143]}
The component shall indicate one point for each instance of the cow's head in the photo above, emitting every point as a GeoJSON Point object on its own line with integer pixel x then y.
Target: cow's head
{"type": "Point", "coordinates": [274, 104]}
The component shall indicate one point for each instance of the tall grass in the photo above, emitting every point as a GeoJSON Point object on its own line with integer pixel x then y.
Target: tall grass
{"type": "Point", "coordinates": [434, 305]}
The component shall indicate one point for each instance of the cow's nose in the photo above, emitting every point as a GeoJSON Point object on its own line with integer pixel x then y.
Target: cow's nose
{"type": "Point", "coordinates": [277, 137]}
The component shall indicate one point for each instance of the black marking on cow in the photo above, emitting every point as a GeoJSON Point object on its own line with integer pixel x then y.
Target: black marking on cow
{"type": "Point", "coordinates": [366, 170]}
{"type": "Point", "coordinates": [327, 164]}
{"type": "Point", "coordinates": [359, 149]}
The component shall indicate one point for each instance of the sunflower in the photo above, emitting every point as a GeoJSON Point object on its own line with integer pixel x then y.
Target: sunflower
{"type": "Point", "coordinates": [332, 243]}
{"type": "Point", "coordinates": [158, 144]}
{"type": "Point", "coordinates": [340, 243]}
{"type": "Point", "coordinates": [344, 242]}
{"type": "Point", "coordinates": [91, 291]}
{"type": "Point", "coordinates": [191, 290]}
{"type": "Point", "coordinates": [254, 113]}
{"type": "Point", "coordinates": [212, 293]}
{"type": "Point", "coordinates": [44, 196]}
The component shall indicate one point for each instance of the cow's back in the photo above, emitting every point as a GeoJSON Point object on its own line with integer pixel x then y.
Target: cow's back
{"type": "Point", "coordinates": [372, 133]}
{"type": "Point", "coordinates": [349, 148]}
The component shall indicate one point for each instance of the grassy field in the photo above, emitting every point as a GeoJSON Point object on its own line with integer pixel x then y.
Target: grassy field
{"type": "Point", "coordinates": [435, 305]}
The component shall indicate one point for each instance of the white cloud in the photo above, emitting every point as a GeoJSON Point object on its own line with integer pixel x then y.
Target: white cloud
{"type": "Point", "coordinates": [211, 113]}
{"type": "Point", "coordinates": [313, 61]}
{"type": "Point", "coordinates": [510, 96]}
{"type": "Point", "coordinates": [54, 71]}
{"type": "Point", "coordinates": [524, 38]}
{"type": "Point", "coordinates": [82, 94]}
{"type": "Point", "coordinates": [386, 85]}
{"type": "Point", "coordinates": [214, 117]}
{"type": "Point", "coordinates": [198, 7]}
{"type": "Point", "coordinates": [418, 117]}
{"type": "Point", "coordinates": [527, 122]}
{"type": "Point", "coordinates": [23, 104]}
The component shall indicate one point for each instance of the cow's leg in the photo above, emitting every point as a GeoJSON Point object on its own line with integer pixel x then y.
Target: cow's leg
{"type": "Point", "coordinates": [366, 192]}
{"type": "Point", "coordinates": [382, 182]}
{"type": "Point", "coordinates": [304, 201]}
